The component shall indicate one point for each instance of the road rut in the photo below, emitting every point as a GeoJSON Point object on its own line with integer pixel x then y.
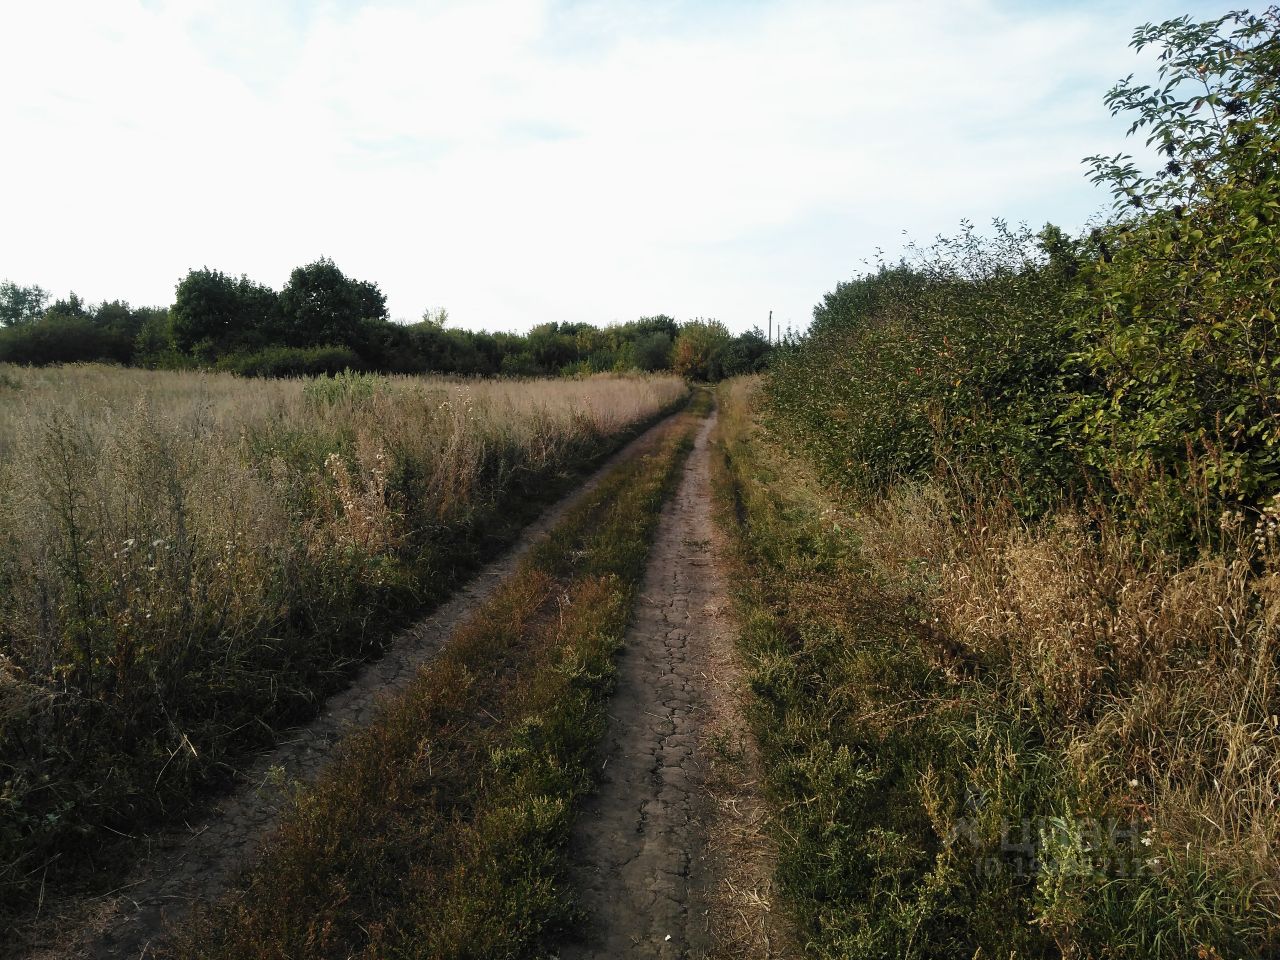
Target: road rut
{"type": "Point", "coordinates": [652, 848]}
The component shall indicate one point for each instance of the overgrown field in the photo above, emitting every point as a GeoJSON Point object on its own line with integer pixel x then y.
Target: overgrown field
{"type": "Point", "coordinates": [188, 562]}
{"type": "Point", "coordinates": [1017, 595]}
{"type": "Point", "coordinates": [441, 829]}
{"type": "Point", "coordinates": [987, 737]}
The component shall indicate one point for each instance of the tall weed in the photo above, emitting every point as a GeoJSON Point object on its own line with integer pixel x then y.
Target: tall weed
{"type": "Point", "coordinates": [191, 561]}
{"type": "Point", "coordinates": [985, 734]}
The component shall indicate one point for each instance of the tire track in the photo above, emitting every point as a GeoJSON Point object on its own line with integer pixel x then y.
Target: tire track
{"type": "Point", "coordinates": [651, 849]}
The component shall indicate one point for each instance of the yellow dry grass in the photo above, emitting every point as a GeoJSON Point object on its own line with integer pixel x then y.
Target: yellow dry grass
{"type": "Point", "coordinates": [188, 559]}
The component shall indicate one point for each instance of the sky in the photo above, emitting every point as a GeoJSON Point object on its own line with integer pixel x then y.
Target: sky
{"type": "Point", "coordinates": [525, 161]}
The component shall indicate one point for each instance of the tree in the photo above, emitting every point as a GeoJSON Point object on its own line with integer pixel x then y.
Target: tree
{"type": "Point", "coordinates": [659, 323]}
{"type": "Point", "coordinates": [745, 353]}
{"type": "Point", "coordinates": [552, 346]}
{"type": "Point", "coordinates": [19, 305]}
{"type": "Point", "coordinates": [153, 343]}
{"type": "Point", "coordinates": [437, 317]}
{"type": "Point", "coordinates": [321, 305]}
{"type": "Point", "coordinates": [214, 314]}
{"type": "Point", "coordinates": [1180, 329]}
{"type": "Point", "coordinates": [72, 308]}
{"type": "Point", "coordinates": [696, 353]}
{"type": "Point", "coordinates": [652, 351]}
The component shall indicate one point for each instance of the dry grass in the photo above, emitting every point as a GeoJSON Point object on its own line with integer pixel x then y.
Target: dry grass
{"type": "Point", "coordinates": [745, 920]}
{"type": "Point", "coordinates": [1158, 684]}
{"type": "Point", "coordinates": [188, 560]}
{"type": "Point", "coordinates": [983, 735]}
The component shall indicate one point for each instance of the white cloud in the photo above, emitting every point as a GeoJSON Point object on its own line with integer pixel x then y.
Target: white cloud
{"type": "Point", "coordinates": [529, 161]}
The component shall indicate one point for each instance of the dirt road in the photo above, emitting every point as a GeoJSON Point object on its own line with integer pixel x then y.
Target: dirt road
{"type": "Point", "coordinates": [670, 854]}
{"type": "Point", "coordinates": [187, 867]}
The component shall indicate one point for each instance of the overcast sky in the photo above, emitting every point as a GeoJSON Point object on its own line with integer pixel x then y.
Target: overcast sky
{"type": "Point", "coordinates": [519, 161]}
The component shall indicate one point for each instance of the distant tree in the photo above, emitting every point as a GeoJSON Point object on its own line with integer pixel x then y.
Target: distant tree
{"type": "Point", "coordinates": [322, 305]}
{"type": "Point", "coordinates": [552, 346]}
{"type": "Point", "coordinates": [436, 317]}
{"type": "Point", "coordinates": [652, 351]}
{"type": "Point", "coordinates": [122, 324]}
{"type": "Point", "coordinates": [697, 349]}
{"type": "Point", "coordinates": [72, 331]}
{"type": "Point", "coordinates": [72, 308]}
{"type": "Point", "coordinates": [214, 314]}
{"type": "Point", "coordinates": [153, 343]}
{"type": "Point", "coordinates": [659, 323]}
{"type": "Point", "coordinates": [119, 319]}
{"type": "Point", "coordinates": [745, 353]}
{"type": "Point", "coordinates": [19, 305]}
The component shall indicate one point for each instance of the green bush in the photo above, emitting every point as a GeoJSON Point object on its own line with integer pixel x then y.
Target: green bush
{"type": "Point", "coordinates": [292, 362]}
{"type": "Point", "coordinates": [1176, 321]}
{"type": "Point", "coordinates": [954, 360]}
{"type": "Point", "coordinates": [62, 339]}
{"type": "Point", "coordinates": [1136, 369]}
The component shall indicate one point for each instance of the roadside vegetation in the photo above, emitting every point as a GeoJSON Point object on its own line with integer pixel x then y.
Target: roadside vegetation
{"type": "Point", "coordinates": [1008, 519]}
{"type": "Point", "coordinates": [441, 829]}
{"type": "Point", "coordinates": [190, 562]}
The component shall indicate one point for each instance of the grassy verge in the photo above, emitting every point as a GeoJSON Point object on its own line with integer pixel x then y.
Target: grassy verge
{"type": "Point", "coordinates": [190, 563]}
{"type": "Point", "coordinates": [988, 739]}
{"type": "Point", "coordinates": [440, 830]}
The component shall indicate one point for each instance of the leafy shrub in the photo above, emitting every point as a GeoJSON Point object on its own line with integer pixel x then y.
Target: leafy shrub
{"type": "Point", "coordinates": [292, 362]}
{"type": "Point", "coordinates": [955, 358]}
{"type": "Point", "coordinates": [62, 339]}
{"type": "Point", "coordinates": [1176, 325]}
{"type": "Point", "coordinates": [1136, 369]}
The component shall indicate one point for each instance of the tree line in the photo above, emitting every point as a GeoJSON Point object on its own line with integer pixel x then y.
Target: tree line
{"type": "Point", "coordinates": [323, 321]}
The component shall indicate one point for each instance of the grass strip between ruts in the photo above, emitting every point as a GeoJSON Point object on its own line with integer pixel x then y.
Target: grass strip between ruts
{"type": "Point", "coordinates": [440, 830]}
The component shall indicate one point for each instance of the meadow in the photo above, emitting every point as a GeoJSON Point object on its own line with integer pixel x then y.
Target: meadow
{"type": "Point", "coordinates": [190, 561]}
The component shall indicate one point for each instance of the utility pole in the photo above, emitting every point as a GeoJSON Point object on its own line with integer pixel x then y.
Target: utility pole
{"type": "Point", "coordinates": [771, 327]}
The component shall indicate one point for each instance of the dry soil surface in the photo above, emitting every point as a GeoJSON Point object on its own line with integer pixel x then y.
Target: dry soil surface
{"type": "Point", "coordinates": [670, 854]}
{"type": "Point", "coordinates": [190, 866]}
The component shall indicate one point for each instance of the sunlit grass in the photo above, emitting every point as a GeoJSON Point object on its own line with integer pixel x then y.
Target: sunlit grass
{"type": "Point", "coordinates": [188, 561]}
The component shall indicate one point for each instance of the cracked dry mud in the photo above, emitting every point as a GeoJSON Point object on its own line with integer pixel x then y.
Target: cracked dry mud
{"type": "Point", "coordinates": [188, 867]}
{"type": "Point", "coordinates": [650, 854]}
